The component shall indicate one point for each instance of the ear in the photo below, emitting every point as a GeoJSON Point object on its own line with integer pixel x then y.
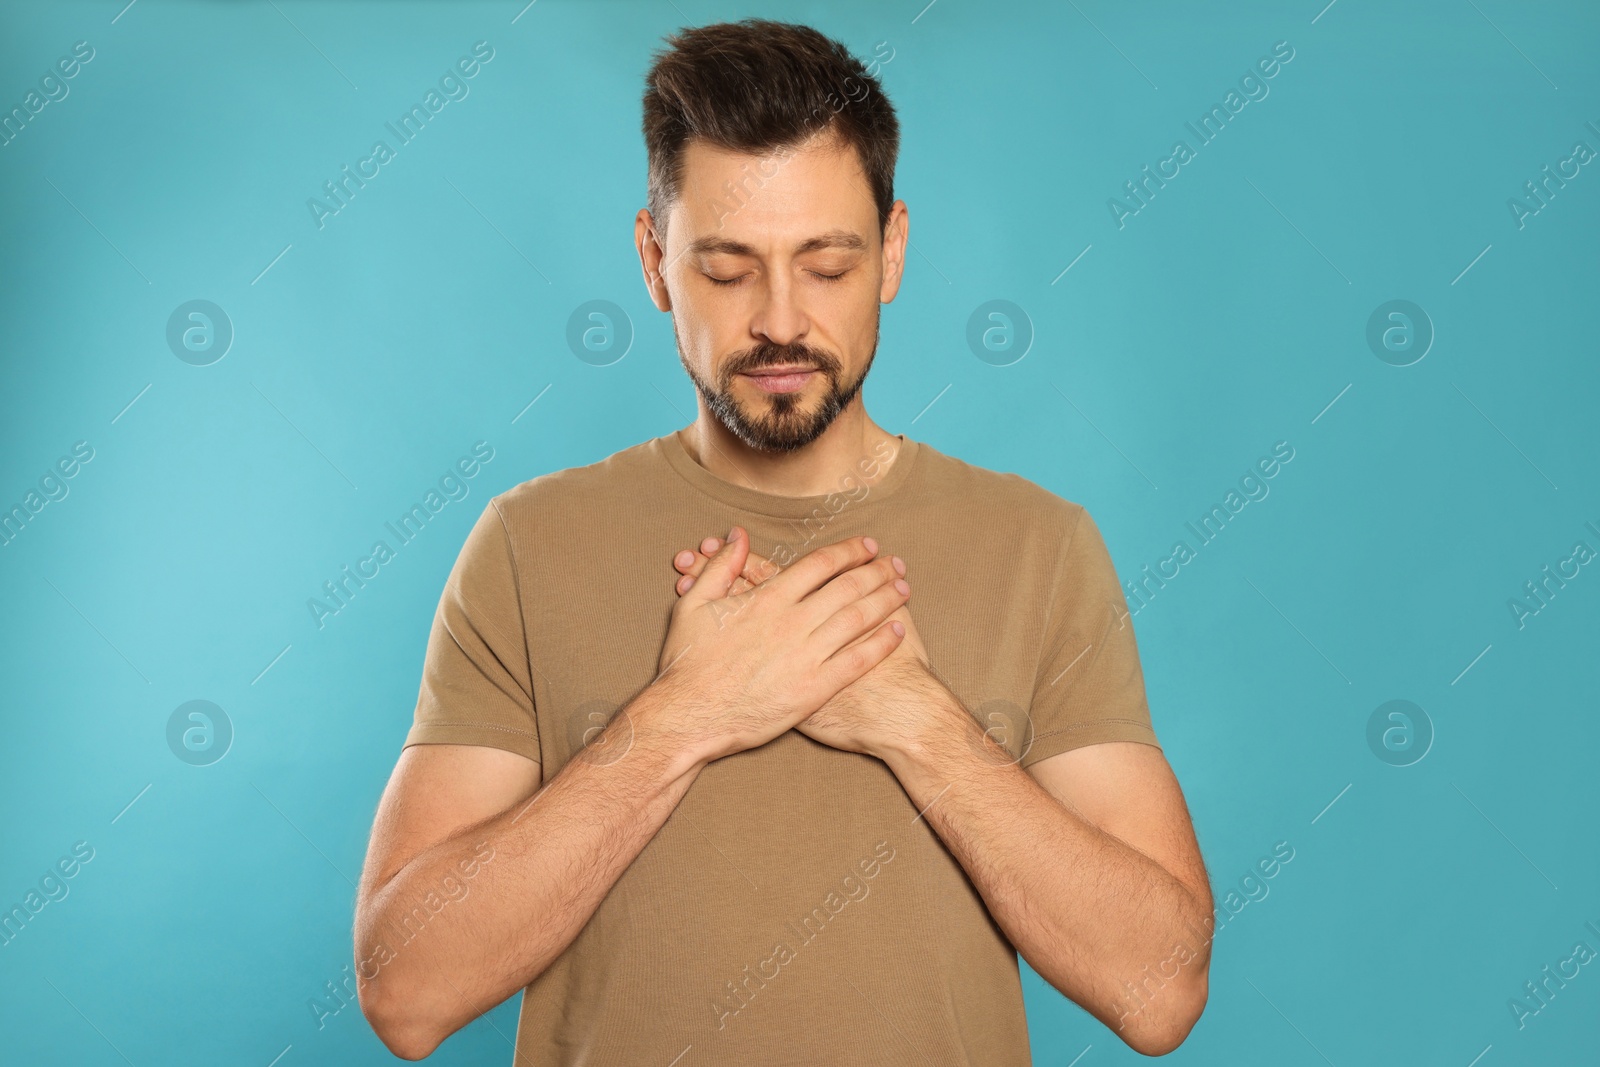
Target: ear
{"type": "Point", "coordinates": [896, 231]}
{"type": "Point", "coordinates": [652, 253]}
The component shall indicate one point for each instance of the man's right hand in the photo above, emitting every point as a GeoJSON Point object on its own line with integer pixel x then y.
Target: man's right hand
{"type": "Point", "coordinates": [738, 671]}
{"type": "Point", "coordinates": [741, 668]}
{"type": "Point", "coordinates": [691, 563]}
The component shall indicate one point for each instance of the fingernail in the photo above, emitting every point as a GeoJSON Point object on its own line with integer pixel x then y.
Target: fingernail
{"type": "Point", "coordinates": [901, 587]}
{"type": "Point", "coordinates": [872, 545]}
{"type": "Point", "coordinates": [900, 631]}
{"type": "Point", "coordinates": [733, 534]}
{"type": "Point", "coordinates": [709, 546]}
{"type": "Point", "coordinates": [688, 583]}
{"type": "Point", "coordinates": [684, 558]}
{"type": "Point", "coordinates": [899, 564]}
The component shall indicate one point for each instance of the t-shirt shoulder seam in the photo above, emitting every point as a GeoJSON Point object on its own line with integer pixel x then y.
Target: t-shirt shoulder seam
{"type": "Point", "coordinates": [563, 477]}
{"type": "Point", "coordinates": [1009, 479]}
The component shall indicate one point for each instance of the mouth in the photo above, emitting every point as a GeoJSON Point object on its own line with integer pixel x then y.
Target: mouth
{"type": "Point", "coordinates": [789, 379]}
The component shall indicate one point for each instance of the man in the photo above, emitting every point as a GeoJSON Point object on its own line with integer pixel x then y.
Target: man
{"type": "Point", "coordinates": [784, 810]}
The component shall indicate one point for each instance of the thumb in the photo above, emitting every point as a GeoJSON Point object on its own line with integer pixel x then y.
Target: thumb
{"type": "Point", "coordinates": [723, 568]}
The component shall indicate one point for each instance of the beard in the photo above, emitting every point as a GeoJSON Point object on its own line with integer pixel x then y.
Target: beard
{"type": "Point", "coordinates": [777, 422]}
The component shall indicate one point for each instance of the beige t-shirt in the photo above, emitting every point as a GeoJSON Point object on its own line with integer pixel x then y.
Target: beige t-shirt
{"type": "Point", "coordinates": [793, 909]}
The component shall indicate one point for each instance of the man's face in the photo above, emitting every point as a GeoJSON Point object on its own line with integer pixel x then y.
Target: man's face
{"type": "Point", "coordinates": [775, 272]}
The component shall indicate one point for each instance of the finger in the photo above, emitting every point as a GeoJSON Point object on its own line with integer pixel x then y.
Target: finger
{"type": "Point", "coordinates": [720, 573]}
{"type": "Point", "coordinates": [851, 662]}
{"type": "Point", "coordinates": [902, 615]}
{"type": "Point", "coordinates": [757, 568]}
{"type": "Point", "coordinates": [817, 568]}
{"type": "Point", "coordinates": [856, 618]}
{"type": "Point", "coordinates": [692, 560]}
{"type": "Point", "coordinates": [848, 588]}
{"type": "Point", "coordinates": [689, 564]}
{"type": "Point", "coordinates": [913, 639]}
{"type": "Point", "coordinates": [740, 585]}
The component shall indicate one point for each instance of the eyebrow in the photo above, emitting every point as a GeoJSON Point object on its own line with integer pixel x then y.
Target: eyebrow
{"type": "Point", "coordinates": [845, 239]}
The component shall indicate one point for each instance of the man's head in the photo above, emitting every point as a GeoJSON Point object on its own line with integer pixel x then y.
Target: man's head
{"type": "Point", "coordinates": [771, 233]}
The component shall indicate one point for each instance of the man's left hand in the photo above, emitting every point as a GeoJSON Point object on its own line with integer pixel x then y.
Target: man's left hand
{"type": "Point", "coordinates": [892, 708]}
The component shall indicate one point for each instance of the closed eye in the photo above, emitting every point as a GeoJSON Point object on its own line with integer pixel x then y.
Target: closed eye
{"type": "Point", "coordinates": [816, 274]}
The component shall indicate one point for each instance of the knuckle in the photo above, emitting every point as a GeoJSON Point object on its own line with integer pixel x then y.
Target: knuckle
{"type": "Point", "coordinates": [855, 661]}
{"type": "Point", "coordinates": [852, 618]}
{"type": "Point", "coordinates": [852, 583]}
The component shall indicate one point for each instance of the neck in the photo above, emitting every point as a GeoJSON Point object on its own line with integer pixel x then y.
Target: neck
{"type": "Point", "coordinates": [815, 470]}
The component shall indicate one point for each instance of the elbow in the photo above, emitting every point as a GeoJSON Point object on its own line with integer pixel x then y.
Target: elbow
{"type": "Point", "coordinates": [393, 1018]}
{"type": "Point", "coordinates": [1158, 1033]}
{"type": "Point", "coordinates": [404, 1039]}
{"type": "Point", "coordinates": [406, 1048]}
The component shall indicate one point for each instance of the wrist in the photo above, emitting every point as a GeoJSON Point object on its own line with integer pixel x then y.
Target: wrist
{"type": "Point", "coordinates": [660, 726]}
{"type": "Point", "coordinates": [937, 735]}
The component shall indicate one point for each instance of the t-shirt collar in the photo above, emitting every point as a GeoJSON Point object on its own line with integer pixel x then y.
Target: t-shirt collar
{"type": "Point", "coordinates": [746, 499]}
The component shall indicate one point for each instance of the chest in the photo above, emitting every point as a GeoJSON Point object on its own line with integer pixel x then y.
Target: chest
{"type": "Point", "coordinates": [597, 621]}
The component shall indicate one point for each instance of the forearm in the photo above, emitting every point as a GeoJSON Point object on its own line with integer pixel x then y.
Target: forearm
{"type": "Point", "coordinates": [1088, 912]}
{"type": "Point", "coordinates": [425, 972]}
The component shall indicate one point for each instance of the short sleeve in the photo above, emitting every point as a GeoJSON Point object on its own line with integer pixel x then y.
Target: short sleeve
{"type": "Point", "coordinates": [476, 685]}
{"type": "Point", "coordinates": [1089, 687]}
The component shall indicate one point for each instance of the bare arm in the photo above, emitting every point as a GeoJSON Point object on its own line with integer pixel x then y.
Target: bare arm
{"type": "Point", "coordinates": [475, 882]}
{"type": "Point", "coordinates": [1089, 863]}
{"type": "Point", "coordinates": [544, 860]}
{"type": "Point", "coordinates": [1092, 869]}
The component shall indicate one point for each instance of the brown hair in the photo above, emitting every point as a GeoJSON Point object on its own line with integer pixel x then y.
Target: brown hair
{"type": "Point", "coordinates": [758, 85]}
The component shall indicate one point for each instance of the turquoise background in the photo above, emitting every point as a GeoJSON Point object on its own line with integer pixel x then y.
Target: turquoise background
{"type": "Point", "coordinates": [1228, 314]}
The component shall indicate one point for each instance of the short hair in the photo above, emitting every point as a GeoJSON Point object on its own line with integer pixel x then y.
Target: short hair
{"type": "Point", "coordinates": [759, 85]}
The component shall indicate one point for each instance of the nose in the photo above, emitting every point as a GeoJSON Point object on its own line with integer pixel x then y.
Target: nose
{"type": "Point", "coordinates": [780, 319]}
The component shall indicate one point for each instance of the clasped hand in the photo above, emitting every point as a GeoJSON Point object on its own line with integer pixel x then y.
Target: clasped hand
{"type": "Point", "coordinates": [886, 708]}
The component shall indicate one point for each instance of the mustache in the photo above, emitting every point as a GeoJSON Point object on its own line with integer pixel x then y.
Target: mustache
{"type": "Point", "coordinates": [773, 355]}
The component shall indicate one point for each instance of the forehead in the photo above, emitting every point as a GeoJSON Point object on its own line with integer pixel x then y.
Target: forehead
{"type": "Point", "coordinates": [790, 200]}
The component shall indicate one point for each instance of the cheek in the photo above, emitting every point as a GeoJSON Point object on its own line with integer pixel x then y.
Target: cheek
{"type": "Point", "coordinates": [705, 338]}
